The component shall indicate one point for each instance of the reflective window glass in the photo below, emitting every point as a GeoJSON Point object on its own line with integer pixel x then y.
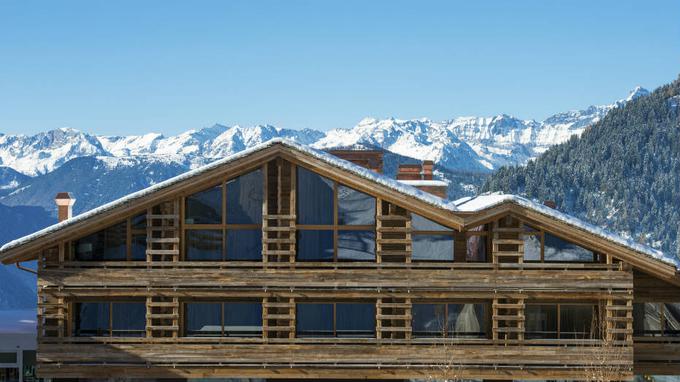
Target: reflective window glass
{"type": "Point", "coordinates": [313, 245]}
{"type": "Point", "coordinates": [204, 245]}
{"type": "Point", "coordinates": [355, 319]}
{"type": "Point", "coordinates": [244, 244]}
{"type": "Point", "coordinates": [92, 319]}
{"type": "Point", "coordinates": [242, 319]}
{"type": "Point", "coordinates": [107, 244]}
{"type": "Point", "coordinates": [314, 198]}
{"type": "Point", "coordinates": [354, 207]}
{"type": "Point", "coordinates": [244, 199]}
{"type": "Point", "coordinates": [432, 247]}
{"type": "Point", "coordinates": [557, 249]}
{"type": "Point", "coordinates": [128, 319]}
{"type": "Point", "coordinates": [203, 319]}
{"type": "Point", "coordinates": [204, 207]}
{"type": "Point", "coordinates": [356, 245]}
{"type": "Point", "coordinates": [314, 320]}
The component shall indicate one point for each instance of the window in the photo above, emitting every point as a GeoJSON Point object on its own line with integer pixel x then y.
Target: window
{"type": "Point", "coordinates": [541, 246]}
{"type": "Point", "coordinates": [477, 243]}
{"type": "Point", "coordinates": [431, 241]}
{"type": "Point", "coordinates": [449, 320]}
{"type": "Point", "coordinates": [8, 357]}
{"type": "Point", "coordinates": [114, 243]}
{"type": "Point", "coordinates": [225, 222]}
{"type": "Point", "coordinates": [563, 321]}
{"type": "Point", "coordinates": [223, 319]}
{"type": "Point", "coordinates": [342, 319]}
{"type": "Point", "coordinates": [110, 319]}
{"type": "Point", "coordinates": [656, 319]}
{"type": "Point", "coordinates": [335, 222]}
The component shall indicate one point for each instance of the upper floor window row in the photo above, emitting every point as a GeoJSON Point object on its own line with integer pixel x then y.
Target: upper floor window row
{"type": "Point", "coordinates": [542, 246]}
{"type": "Point", "coordinates": [122, 241]}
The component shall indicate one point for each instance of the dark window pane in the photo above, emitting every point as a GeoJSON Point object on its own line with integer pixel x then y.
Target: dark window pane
{"type": "Point", "coordinates": [433, 247]}
{"type": "Point", "coordinates": [476, 248]}
{"type": "Point", "coordinates": [7, 358]}
{"type": "Point", "coordinates": [314, 320]}
{"type": "Point", "coordinates": [532, 248]}
{"type": "Point", "coordinates": [672, 319]}
{"type": "Point", "coordinates": [139, 247]}
{"type": "Point", "coordinates": [354, 207]}
{"type": "Point", "coordinates": [355, 319]}
{"type": "Point", "coordinates": [242, 319]}
{"type": "Point", "coordinates": [315, 245]}
{"type": "Point", "coordinates": [203, 319]}
{"type": "Point", "coordinates": [107, 244]}
{"type": "Point", "coordinates": [314, 198]}
{"type": "Point", "coordinates": [428, 320]}
{"type": "Point", "coordinates": [647, 319]}
{"type": "Point", "coordinates": [557, 249]}
{"type": "Point", "coordinates": [244, 244]}
{"type": "Point", "coordinates": [139, 221]}
{"type": "Point", "coordinates": [576, 321]}
{"type": "Point", "coordinates": [204, 245]}
{"type": "Point", "coordinates": [129, 319]}
{"type": "Point", "coordinates": [541, 321]}
{"type": "Point", "coordinates": [420, 223]}
{"type": "Point", "coordinates": [205, 207]}
{"type": "Point", "coordinates": [244, 199]}
{"type": "Point", "coordinates": [92, 319]}
{"type": "Point", "coordinates": [466, 320]}
{"type": "Point", "coordinates": [356, 245]}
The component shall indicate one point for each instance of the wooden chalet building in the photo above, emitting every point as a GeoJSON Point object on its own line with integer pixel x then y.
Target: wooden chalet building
{"type": "Point", "coordinates": [284, 262]}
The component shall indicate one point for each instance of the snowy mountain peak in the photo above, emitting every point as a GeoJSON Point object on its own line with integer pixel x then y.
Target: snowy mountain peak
{"type": "Point", "coordinates": [637, 92]}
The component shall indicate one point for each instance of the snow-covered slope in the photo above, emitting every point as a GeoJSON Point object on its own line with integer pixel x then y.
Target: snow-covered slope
{"type": "Point", "coordinates": [470, 144]}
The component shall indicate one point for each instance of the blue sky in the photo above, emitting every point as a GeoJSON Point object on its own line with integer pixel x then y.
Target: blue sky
{"type": "Point", "coordinates": [130, 67]}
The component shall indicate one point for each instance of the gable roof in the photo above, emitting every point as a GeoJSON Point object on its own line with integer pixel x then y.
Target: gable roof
{"type": "Point", "coordinates": [325, 157]}
{"type": "Point", "coordinates": [487, 201]}
{"type": "Point", "coordinates": [455, 209]}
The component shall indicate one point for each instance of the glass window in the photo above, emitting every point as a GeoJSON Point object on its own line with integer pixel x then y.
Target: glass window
{"type": "Point", "coordinates": [203, 319]}
{"type": "Point", "coordinates": [315, 245]}
{"type": "Point", "coordinates": [128, 319]}
{"type": "Point", "coordinates": [107, 244]}
{"type": "Point", "coordinates": [314, 320]}
{"type": "Point", "coordinates": [204, 245]}
{"type": "Point", "coordinates": [672, 319]}
{"type": "Point", "coordinates": [532, 248]}
{"type": "Point", "coordinates": [314, 198]}
{"type": "Point", "coordinates": [450, 320]}
{"type": "Point", "coordinates": [8, 357]}
{"type": "Point", "coordinates": [354, 207]}
{"type": "Point", "coordinates": [356, 245]}
{"type": "Point", "coordinates": [432, 247]}
{"type": "Point", "coordinates": [541, 321]}
{"type": "Point", "coordinates": [419, 223]}
{"type": "Point", "coordinates": [244, 244]}
{"type": "Point", "coordinates": [105, 319]}
{"type": "Point", "coordinates": [476, 248]}
{"type": "Point", "coordinates": [92, 319]}
{"type": "Point", "coordinates": [244, 199]}
{"type": "Point", "coordinates": [557, 249]}
{"type": "Point", "coordinates": [465, 320]}
{"type": "Point", "coordinates": [138, 247]}
{"type": "Point", "coordinates": [139, 222]}
{"type": "Point", "coordinates": [205, 207]}
{"type": "Point", "coordinates": [242, 319]}
{"type": "Point", "coordinates": [428, 320]}
{"type": "Point", "coordinates": [576, 321]}
{"type": "Point", "coordinates": [355, 319]}
{"type": "Point", "coordinates": [654, 319]}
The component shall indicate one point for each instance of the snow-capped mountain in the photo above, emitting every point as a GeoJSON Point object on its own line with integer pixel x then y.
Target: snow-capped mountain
{"type": "Point", "coordinates": [472, 144]}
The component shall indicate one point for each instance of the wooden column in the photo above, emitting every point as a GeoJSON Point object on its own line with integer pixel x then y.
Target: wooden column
{"type": "Point", "coordinates": [393, 233]}
{"type": "Point", "coordinates": [279, 218]}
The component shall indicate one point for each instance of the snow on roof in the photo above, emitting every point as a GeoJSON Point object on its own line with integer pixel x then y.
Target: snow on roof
{"type": "Point", "coordinates": [424, 182]}
{"type": "Point", "coordinates": [321, 155]}
{"type": "Point", "coordinates": [485, 201]}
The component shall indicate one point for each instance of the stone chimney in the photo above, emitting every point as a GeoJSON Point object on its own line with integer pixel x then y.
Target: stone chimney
{"type": "Point", "coordinates": [65, 204]}
{"type": "Point", "coordinates": [371, 159]}
{"type": "Point", "coordinates": [421, 176]}
{"type": "Point", "coordinates": [550, 203]}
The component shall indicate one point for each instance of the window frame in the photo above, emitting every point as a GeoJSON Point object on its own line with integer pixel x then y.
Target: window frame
{"type": "Point", "coordinates": [596, 315]}
{"type": "Point", "coordinates": [540, 233]}
{"type": "Point", "coordinates": [487, 319]}
{"type": "Point", "coordinates": [334, 303]}
{"type": "Point", "coordinates": [130, 234]}
{"type": "Point", "coordinates": [222, 302]}
{"type": "Point", "coordinates": [484, 232]}
{"type": "Point", "coordinates": [664, 332]}
{"type": "Point", "coordinates": [73, 331]}
{"type": "Point", "coordinates": [335, 227]}
{"type": "Point", "coordinates": [223, 226]}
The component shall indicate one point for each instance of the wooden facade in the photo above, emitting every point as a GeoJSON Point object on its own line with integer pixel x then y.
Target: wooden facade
{"type": "Point", "coordinates": [395, 282]}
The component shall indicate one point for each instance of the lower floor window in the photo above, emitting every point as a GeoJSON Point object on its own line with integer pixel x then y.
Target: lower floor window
{"type": "Point", "coordinates": [449, 319]}
{"type": "Point", "coordinates": [341, 319]}
{"type": "Point", "coordinates": [563, 321]}
{"type": "Point", "coordinates": [656, 319]}
{"type": "Point", "coordinates": [110, 319]}
{"type": "Point", "coordinates": [223, 319]}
